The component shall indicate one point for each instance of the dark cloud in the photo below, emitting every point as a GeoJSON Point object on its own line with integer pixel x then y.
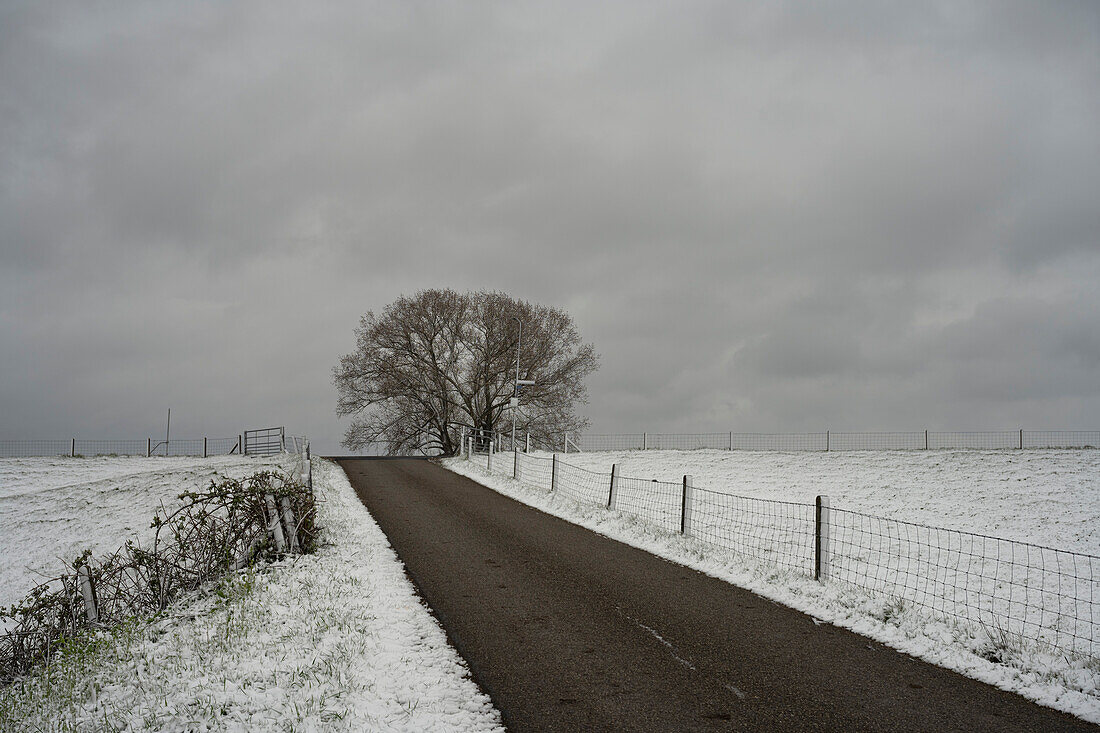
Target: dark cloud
{"type": "Point", "coordinates": [765, 217]}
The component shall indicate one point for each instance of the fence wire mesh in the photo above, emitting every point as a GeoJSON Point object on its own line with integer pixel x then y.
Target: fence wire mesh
{"type": "Point", "coordinates": [535, 470]}
{"type": "Point", "coordinates": [621, 441]}
{"type": "Point", "coordinates": [29, 448]}
{"type": "Point", "coordinates": [111, 447]}
{"type": "Point", "coordinates": [1017, 592]}
{"type": "Point", "coordinates": [1014, 589]}
{"type": "Point", "coordinates": [1068, 439]}
{"type": "Point", "coordinates": [582, 485]}
{"type": "Point", "coordinates": [779, 533]}
{"type": "Point", "coordinates": [841, 441]}
{"type": "Point", "coordinates": [653, 501]}
{"type": "Point", "coordinates": [269, 444]}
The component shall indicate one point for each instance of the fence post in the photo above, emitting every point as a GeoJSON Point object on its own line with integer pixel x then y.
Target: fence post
{"type": "Point", "coordinates": [148, 447]}
{"type": "Point", "coordinates": [240, 444]}
{"type": "Point", "coordinates": [515, 463]}
{"type": "Point", "coordinates": [645, 441]}
{"type": "Point", "coordinates": [528, 446]}
{"type": "Point", "coordinates": [821, 538]}
{"type": "Point", "coordinates": [554, 473]}
{"type": "Point", "coordinates": [614, 486]}
{"type": "Point", "coordinates": [204, 446]}
{"type": "Point", "coordinates": [731, 440]}
{"type": "Point", "coordinates": [87, 590]}
{"type": "Point", "coordinates": [926, 440]}
{"type": "Point", "coordinates": [309, 462]}
{"type": "Point", "coordinates": [275, 527]}
{"type": "Point", "coordinates": [289, 523]}
{"type": "Point", "coordinates": [826, 441]}
{"type": "Point", "coordinates": [489, 465]}
{"type": "Point", "coordinates": [1021, 438]}
{"type": "Point", "coordinates": [685, 507]}
{"type": "Point", "coordinates": [72, 451]}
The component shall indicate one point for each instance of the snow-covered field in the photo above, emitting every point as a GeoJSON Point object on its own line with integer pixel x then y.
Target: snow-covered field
{"type": "Point", "coordinates": [52, 509]}
{"type": "Point", "coordinates": [1046, 497]}
{"type": "Point", "coordinates": [337, 640]}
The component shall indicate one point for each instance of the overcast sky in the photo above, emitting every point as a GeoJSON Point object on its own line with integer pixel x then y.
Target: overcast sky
{"type": "Point", "coordinates": [765, 217]}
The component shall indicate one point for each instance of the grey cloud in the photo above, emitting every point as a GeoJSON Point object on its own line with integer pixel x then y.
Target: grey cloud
{"type": "Point", "coordinates": [765, 217]}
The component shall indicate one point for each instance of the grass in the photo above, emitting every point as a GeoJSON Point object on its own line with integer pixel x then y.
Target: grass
{"type": "Point", "coordinates": [60, 695]}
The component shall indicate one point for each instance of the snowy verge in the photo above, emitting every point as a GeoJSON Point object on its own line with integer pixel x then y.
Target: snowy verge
{"type": "Point", "coordinates": [1068, 684]}
{"type": "Point", "coordinates": [337, 640]}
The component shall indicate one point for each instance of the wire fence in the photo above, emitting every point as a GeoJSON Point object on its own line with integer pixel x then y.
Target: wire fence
{"type": "Point", "coordinates": [834, 441]}
{"type": "Point", "coordinates": [73, 447]}
{"type": "Point", "coordinates": [1021, 594]}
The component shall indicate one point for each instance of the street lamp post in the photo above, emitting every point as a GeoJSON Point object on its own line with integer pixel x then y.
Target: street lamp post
{"type": "Point", "coordinates": [519, 383]}
{"type": "Point", "coordinates": [515, 387]}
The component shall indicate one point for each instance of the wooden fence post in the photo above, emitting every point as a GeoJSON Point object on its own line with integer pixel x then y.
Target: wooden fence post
{"type": "Point", "coordinates": [554, 473]}
{"type": "Point", "coordinates": [614, 489]}
{"type": "Point", "coordinates": [290, 524]}
{"type": "Point", "coordinates": [731, 440]}
{"type": "Point", "coordinates": [489, 465]}
{"type": "Point", "coordinates": [645, 441]}
{"type": "Point", "coordinates": [821, 538]}
{"type": "Point", "coordinates": [515, 463]}
{"type": "Point", "coordinates": [685, 507]}
{"type": "Point", "coordinates": [826, 441]}
{"type": "Point", "coordinates": [87, 590]}
{"type": "Point", "coordinates": [528, 446]}
{"type": "Point", "coordinates": [275, 526]}
{"type": "Point", "coordinates": [204, 446]}
{"type": "Point", "coordinates": [148, 447]}
{"type": "Point", "coordinates": [926, 440]}
{"type": "Point", "coordinates": [72, 452]}
{"type": "Point", "coordinates": [1021, 438]}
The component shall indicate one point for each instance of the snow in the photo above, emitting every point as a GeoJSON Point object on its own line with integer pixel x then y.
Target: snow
{"type": "Point", "coordinates": [1048, 497]}
{"type": "Point", "coordinates": [337, 640]}
{"type": "Point", "coordinates": [51, 509]}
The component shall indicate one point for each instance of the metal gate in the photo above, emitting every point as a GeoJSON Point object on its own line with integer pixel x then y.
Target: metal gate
{"type": "Point", "coordinates": [264, 442]}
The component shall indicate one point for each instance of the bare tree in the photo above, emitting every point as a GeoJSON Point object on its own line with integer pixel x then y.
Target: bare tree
{"type": "Point", "coordinates": [429, 365]}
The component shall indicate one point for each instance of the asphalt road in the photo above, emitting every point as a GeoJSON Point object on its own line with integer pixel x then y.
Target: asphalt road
{"type": "Point", "coordinates": [568, 630]}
